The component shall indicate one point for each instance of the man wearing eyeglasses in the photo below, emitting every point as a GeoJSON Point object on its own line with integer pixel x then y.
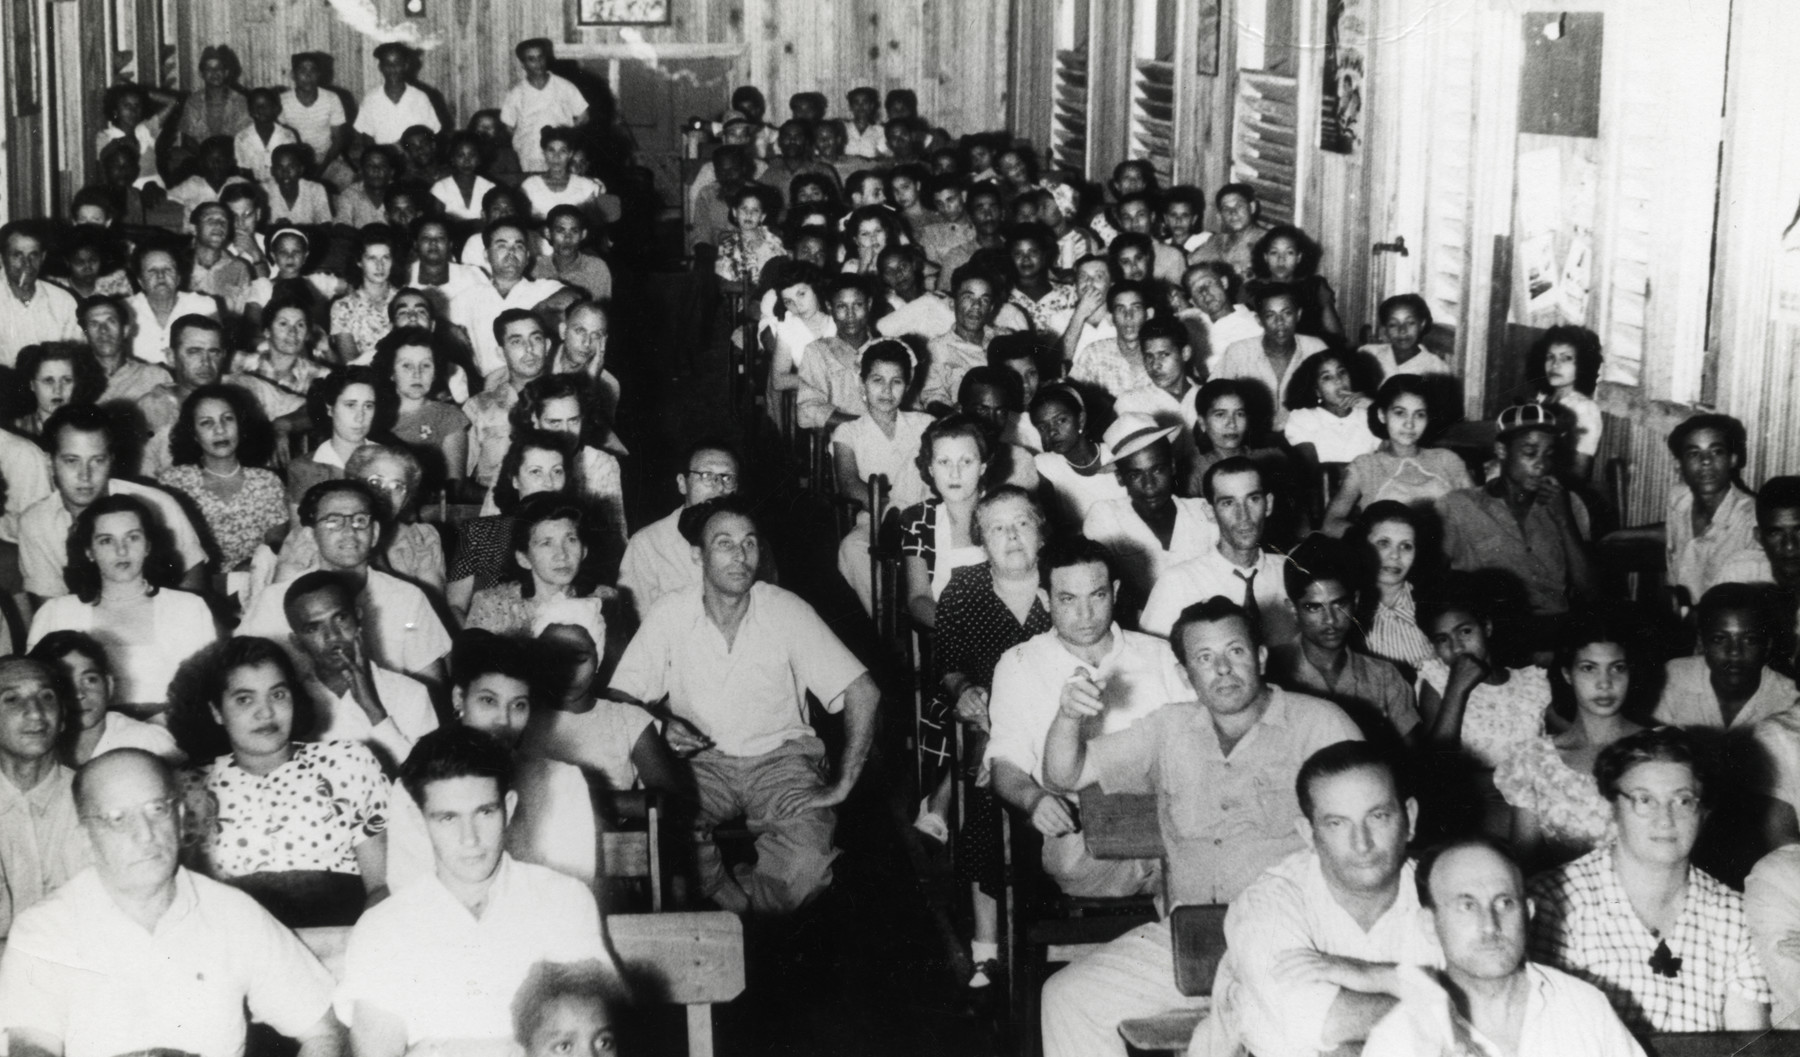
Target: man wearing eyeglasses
{"type": "Point", "coordinates": [657, 560]}
{"type": "Point", "coordinates": [137, 953]}
{"type": "Point", "coordinates": [399, 627]}
{"type": "Point", "coordinates": [39, 847]}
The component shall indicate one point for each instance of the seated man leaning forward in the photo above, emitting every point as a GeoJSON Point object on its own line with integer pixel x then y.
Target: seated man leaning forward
{"type": "Point", "coordinates": [1085, 654]}
{"type": "Point", "coordinates": [1490, 1000]}
{"type": "Point", "coordinates": [1223, 770]}
{"type": "Point", "coordinates": [735, 659]}
{"type": "Point", "coordinates": [440, 960]}
{"type": "Point", "coordinates": [138, 954]}
{"type": "Point", "coordinates": [1313, 945]}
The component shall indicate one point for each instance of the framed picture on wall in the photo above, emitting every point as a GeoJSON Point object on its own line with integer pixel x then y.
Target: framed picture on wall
{"type": "Point", "coordinates": [621, 12]}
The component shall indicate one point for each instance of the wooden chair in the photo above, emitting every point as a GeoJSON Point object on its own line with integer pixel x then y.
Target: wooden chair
{"type": "Point", "coordinates": [1634, 555]}
{"type": "Point", "coordinates": [631, 844]}
{"type": "Point", "coordinates": [1197, 937]}
{"type": "Point", "coordinates": [691, 959]}
{"type": "Point", "coordinates": [1042, 927]}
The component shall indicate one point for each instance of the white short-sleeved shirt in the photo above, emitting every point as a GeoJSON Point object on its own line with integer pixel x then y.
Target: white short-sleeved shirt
{"type": "Point", "coordinates": [1141, 556]}
{"type": "Point", "coordinates": [749, 696]}
{"type": "Point", "coordinates": [1211, 574]}
{"type": "Point", "coordinates": [422, 957]}
{"type": "Point", "coordinates": [150, 341]}
{"type": "Point", "coordinates": [400, 627]}
{"type": "Point", "coordinates": [580, 191]}
{"type": "Point", "coordinates": [480, 303]}
{"type": "Point", "coordinates": [385, 121]}
{"type": "Point", "coordinates": [1688, 699]}
{"type": "Point", "coordinates": [49, 317]}
{"type": "Point", "coordinates": [1424, 362]}
{"type": "Point", "coordinates": [257, 154]}
{"type": "Point", "coordinates": [599, 740]}
{"type": "Point", "coordinates": [44, 533]}
{"type": "Point", "coordinates": [313, 124]}
{"type": "Point", "coordinates": [1137, 676]}
{"type": "Point", "coordinates": [78, 969]}
{"type": "Point", "coordinates": [528, 111]}
{"type": "Point", "coordinates": [181, 626]}
{"type": "Point", "coordinates": [658, 561]}
{"type": "Point", "coordinates": [1336, 439]}
{"type": "Point", "coordinates": [120, 731]}
{"type": "Point", "coordinates": [450, 195]}
{"type": "Point", "coordinates": [1246, 359]}
{"type": "Point", "coordinates": [895, 457]}
{"type": "Point", "coordinates": [26, 469]}
{"type": "Point", "coordinates": [409, 716]}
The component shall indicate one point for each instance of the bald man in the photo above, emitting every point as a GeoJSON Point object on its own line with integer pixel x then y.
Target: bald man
{"type": "Point", "coordinates": [137, 953]}
{"type": "Point", "coordinates": [40, 839]}
{"type": "Point", "coordinates": [1489, 999]}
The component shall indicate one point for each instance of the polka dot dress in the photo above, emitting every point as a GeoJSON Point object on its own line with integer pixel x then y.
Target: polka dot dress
{"type": "Point", "coordinates": [308, 814]}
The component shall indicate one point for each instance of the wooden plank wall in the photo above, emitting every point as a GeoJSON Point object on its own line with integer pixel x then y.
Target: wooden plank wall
{"type": "Point", "coordinates": [954, 53]}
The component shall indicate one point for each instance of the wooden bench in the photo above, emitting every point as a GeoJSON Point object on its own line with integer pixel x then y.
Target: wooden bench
{"type": "Point", "coordinates": [694, 960]}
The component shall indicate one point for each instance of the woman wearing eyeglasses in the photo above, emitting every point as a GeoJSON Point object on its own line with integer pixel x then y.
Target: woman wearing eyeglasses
{"type": "Point", "coordinates": [122, 566]}
{"type": "Point", "coordinates": [1666, 941]}
{"type": "Point", "coordinates": [300, 825]}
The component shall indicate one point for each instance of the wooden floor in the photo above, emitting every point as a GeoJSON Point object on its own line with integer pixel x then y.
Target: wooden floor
{"type": "Point", "coordinates": [867, 970]}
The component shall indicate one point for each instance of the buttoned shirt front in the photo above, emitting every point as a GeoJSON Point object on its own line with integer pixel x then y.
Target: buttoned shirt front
{"type": "Point", "coordinates": [1688, 699]}
{"type": "Point", "coordinates": [1695, 562]}
{"type": "Point", "coordinates": [1213, 574]}
{"type": "Point", "coordinates": [1224, 817]}
{"type": "Point", "coordinates": [1246, 359]}
{"type": "Point", "coordinates": [1141, 556]}
{"type": "Point", "coordinates": [448, 974]}
{"type": "Point", "coordinates": [1260, 1007]}
{"type": "Point", "coordinates": [748, 694]}
{"type": "Point", "coordinates": [79, 970]}
{"type": "Point", "coordinates": [48, 316]}
{"type": "Point", "coordinates": [1366, 684]}
{"type": "Point", "coordinates": [41, 844]}
{"type": "Point", "coordinates": [1137, 676]}
{"type": "Point", "coordinates": [479, 304]}
{"type": "Point", "coordinates": [1480, 532]}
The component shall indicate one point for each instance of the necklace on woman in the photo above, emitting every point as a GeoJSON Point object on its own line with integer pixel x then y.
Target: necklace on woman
{"type": "Point", "coordinates": [214, 473]}
{"type": "Point", "coordinates": [1088, 465]}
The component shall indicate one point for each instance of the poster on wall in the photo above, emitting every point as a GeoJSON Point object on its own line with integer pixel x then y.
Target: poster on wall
{"type": "Point", "coordinates": [621, 12]}
{"type": "Point", "coordinates": [1346, 42]}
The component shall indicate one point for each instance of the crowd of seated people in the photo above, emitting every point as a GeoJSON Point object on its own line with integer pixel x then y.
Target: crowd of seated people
{"type": "Point", "coordinates": [328, 608]}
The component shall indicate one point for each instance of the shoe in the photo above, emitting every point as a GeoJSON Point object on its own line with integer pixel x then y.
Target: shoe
{"type": "Point", "coordinates": [932, 825]}
{"type": "Point", "coordinates": [984, 974]}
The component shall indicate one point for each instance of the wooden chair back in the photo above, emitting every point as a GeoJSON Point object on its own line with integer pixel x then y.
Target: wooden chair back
{"type": "Point", "coordinates": [1198, 940]}
{"type": "Point", "coordinates": [694, 960]}
{"type": "Point", "coordinates": [630, 851]}
{"type": "Point", "coordinates": [1120, 825]}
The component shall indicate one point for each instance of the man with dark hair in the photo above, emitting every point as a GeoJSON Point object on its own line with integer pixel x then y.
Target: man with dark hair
{"type": "Point", "coordinates": [40, 847]}
{"type": "Point", "coordinates": [1237, 568]}
{"type": "Point", "coordinates": [1314, 945]}
{"type": "Point", "coordinates": [441, 959]}
{"type": "Point", "coordinates": [735, 658]}
{"type": "Point", "coordinates": [1730, 684]}
{"type": "Point", "coordinates": [1323, 587]}
{"type": "Point", "coordinates": [979, 296]}
{"type": "Point", "coordinates": [1223, 773]}
{"type": "Point", "coordinates": [197, 356]}
{"type": "Point", "coordinates": [1239, 229]}
{"type": "Point", "coordinates": [1122, 675]}
{"type": "Point", "coordinates": [1116, 364]}
{"type": "Point", "coordinates": [353, 698]}
{"type": "Point", "coordinates": [79, 439]}
{"type": "Point", "coordinates": [569, 1008]}
{"type": "Point", "coordinates": [831, 369]}
{"type": "Point", "coordinates": [1710, 518]}
{"type": "Point", "coordinates": [397, 105]}
{"type": "Point", "coordinates": [1475, 895]}
{"type": "Point", "coordinates": [1152, 529]}
{"type": "Point", "coordinates": [524, 344]}
{"type": "Point", "coordinates": [658, 561]}
{"type": "Point", "coordinates": [138, 954]}
{"type": "Point", "coordinates": [400, 629]}
{"type": "Point", "coordinates": [509, 248]}
{"type": "Point", "coordinates": [539, 100]}
{"type": "Point", "coordinates": [30, 312]}
{"type": "Point", "coordinates": [1164, 347]}
{"type": "Point", "coordinates": [106, 325]}
{"type": "Point", "coordinates": [1777, 561]}
{"type": "Point", "coordinates": [864, 131]}
{"type": "Point", "coordinates": [912, 310]}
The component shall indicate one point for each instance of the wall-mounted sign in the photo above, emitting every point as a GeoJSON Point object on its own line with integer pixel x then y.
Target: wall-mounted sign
{"type": "Point", "coordinates": [621, 12]}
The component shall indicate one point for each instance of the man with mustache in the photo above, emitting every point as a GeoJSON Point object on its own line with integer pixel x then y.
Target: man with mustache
{"type": "Point", "coordinates": [734, 658]}
{"type": "Point", "coordinates": [1489, 998]}
{"type": "Point", "coordinates": [1223, 770]}
{"type": "Point", "coordinates": [353, 698]}
{"type": "Point", "coordinates": [40, 846]}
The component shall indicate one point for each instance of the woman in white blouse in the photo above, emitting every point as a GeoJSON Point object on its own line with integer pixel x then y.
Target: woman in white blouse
{"type": "Point", "coordinates": [884, 440]}
{"type": "Point", "coordinates": [120, 566]}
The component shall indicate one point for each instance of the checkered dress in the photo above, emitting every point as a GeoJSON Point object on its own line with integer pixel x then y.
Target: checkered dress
{"type": "Point", "coordinates": [1585, 926]}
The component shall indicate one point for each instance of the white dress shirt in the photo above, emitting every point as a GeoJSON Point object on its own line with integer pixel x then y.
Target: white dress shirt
{"type": "Point", "coordinates": [1212, 574]}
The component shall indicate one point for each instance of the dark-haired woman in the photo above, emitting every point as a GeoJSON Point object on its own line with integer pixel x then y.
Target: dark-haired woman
{"type": "Point", "coordinates": [218, 447]}
{"type": "Point", "coordinates": [269, 812]}
{"type": "Point", "coordinates": [121, 567]}
{"type": "Point", "coordinates": [417, 362]}
{"type": "Point", "coordinates": [1287, 255]}
{"type": "Point", "coordinates": [359, 319]}
{"type": "Point", "coordinates": [1564, 367]}
{"type": "Point", "coordinates": [548, 557]}
{"type": "Point", "coordinates": [57, 373]}
{"type": "Point", "coordinates": [538, 461]}
{"type": "Point", "coordinates": [346, 407]}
